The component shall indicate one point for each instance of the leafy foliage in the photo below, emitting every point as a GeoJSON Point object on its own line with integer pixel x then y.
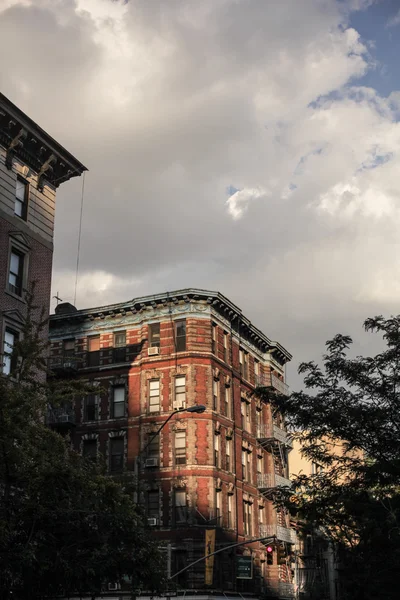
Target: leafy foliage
{"type": "Point", "coordinates": [65, 527]}
{"type": "Point", "coordinates": [348, 422]}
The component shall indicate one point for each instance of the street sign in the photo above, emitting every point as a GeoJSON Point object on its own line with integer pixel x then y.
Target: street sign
{"type": "Point", "coordinates": [244, 567]}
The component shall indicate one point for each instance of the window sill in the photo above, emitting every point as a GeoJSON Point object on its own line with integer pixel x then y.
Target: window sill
{"type": "Point", "coordinates": [15, 296]}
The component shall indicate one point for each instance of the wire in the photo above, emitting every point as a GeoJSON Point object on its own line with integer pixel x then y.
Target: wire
{"type": "Point", "coordinates": [79, 237]}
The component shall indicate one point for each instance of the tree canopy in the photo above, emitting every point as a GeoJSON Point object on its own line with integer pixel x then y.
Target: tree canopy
{"type": "Point", "coordinates": [347, 420]}
{"type": "Point", "coordinates": [65, 526]}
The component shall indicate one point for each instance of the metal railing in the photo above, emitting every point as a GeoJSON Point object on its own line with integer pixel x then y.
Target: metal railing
{"type": "Point", "coordinates": [63, 363]}
{"type": "Point", "coordinates": [282, 534]}
{"type": "Point", "coordinates": [59, 416]}
{"type": "Point", "coordinates": [267, 481]}
{"type": "Point", "coordinates": [271, 381]}
{"type": "Point", "coordinates": [273, 433]}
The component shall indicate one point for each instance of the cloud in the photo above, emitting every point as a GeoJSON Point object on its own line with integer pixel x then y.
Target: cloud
{"type": "Point", "coordinates": [171, 104]}
{"type": "Point", "coordinates": [394, 20]}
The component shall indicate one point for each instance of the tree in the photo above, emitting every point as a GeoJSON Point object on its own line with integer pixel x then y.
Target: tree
{"type": "Point", "coordinates": [348, 421]}
{"type": "Point", "coordinates": [65, 527]}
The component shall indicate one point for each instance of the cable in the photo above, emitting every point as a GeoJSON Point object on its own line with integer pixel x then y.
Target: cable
{"type": "Point", "coordinates": [79, 237]}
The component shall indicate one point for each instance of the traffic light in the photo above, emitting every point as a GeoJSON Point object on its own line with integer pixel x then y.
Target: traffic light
{"type": "Point", "coordinates": [270, 555]}
{"type": "Point", "coordinates": [281, 555]}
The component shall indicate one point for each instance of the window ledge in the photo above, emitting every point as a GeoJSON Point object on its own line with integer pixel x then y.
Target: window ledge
{"type": "Point", "coordinates": [20, 298]}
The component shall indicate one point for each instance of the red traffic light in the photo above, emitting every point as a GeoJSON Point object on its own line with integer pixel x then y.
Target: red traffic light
{"type": "Point", "coordinates": [270, 549]}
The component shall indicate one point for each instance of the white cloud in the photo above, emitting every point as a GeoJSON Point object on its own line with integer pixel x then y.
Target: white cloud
{"type": "Point", "coordinates": [238, 202]}
{"type": "Point", "coordinates": [394, 20]}
{"type": "Point", "coordinates": [170, 104]}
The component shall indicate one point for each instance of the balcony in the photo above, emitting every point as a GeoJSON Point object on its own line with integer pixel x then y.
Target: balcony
{"type": "Point", "coordinates": [269, 481]}
{"type": "Point", "coordinates": [272, 434]}
{"type": "Point", "coordinates": [273, 383]}
{"type": "Point", "coordinates": [282, 534]}
{"type": "Point", "coordinates": [60, 418]}
{"type": "Point", "coordinates": [63, 365]}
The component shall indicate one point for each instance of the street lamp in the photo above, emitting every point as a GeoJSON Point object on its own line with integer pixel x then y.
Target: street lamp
{"type": "Point", "coordinates": [196, 408]}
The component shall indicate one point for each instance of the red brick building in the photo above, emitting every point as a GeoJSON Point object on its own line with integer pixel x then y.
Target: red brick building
{"type": "Point", "coordinates": [32, 166]}
{"type": "Point", "coordinates": [212, 471]}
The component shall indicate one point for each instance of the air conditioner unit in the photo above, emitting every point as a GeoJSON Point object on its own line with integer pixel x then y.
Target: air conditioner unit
{"type": "Point", "coordinates": [63, 418]}
{"type": "Point", "coordinates": [151, 462]}
{"type": "Point", "coordinates": [153, 351]}
{"type": "Point", "coordinates": [152, 521]}
{"type": "Point", "coordinates": [113, 587]}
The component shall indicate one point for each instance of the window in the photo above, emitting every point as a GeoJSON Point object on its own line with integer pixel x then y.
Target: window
{"type": "Point", "coordinates": [249, 469]}
{"type": "Point", "coordinates": [180, 335]}
{"type": "Point", "coordinates": [154, 395]}
{"type": "Point", "coordinates": [215, 394]}
{"type": "Point", "coordinates": [245, 373]}
{"type": "Point", "coordinates": [180, 448]}
{"type": "Point", "coordinates": [228, 403]}
{"type": "Point", "coordinates": [231, 524]}
{"type": "Point", "coordinates": [256, 372]}
{"type": "Point", "coordinates": [316, 468]}
{"type": "Point", "coordinates": [216, 450]}
{"type": "Point", "coordinates": [16, 272]}
{"type": "Point", "coordinates": [21, 199]}
{"type": "Point", "coordinates": [116, 454]}
{"type": "Point", "coordinates": [247, 518]}
{"type": "Point", "coordinates": [244, 465]}
{"type": "Point", "coordinates": [226, 347]}
{"type": "Point", "coordinates": [68, 348]}
{"type": "Point", "coordinates": [180, 506]}
{"type": "Point", "coordinates": [242, 413]}
{"type": "Point", "coordinates": [9, 361]}
{"type": "Point", "coordinates": [119, 352]}
{"type": "Point", "coordinates": [248, 416]}
{"type": "Point", "coordinates": [94, 350]}
{"type": "Point", "coordinates": [241, 362]}
{"type": "Point", "coordinates": [89, 450]}
{"type": "Point", "coordinates": [118, 402]}
{"type": "Point", "coordinates": [180, 392]}
{"type": "Point", "coordinates": [154, 335]}
{"type": "Point", "coordinates": [153, 504]}
{"type": "Point", "coordinates": [218, 512]}
{"type": "Point", "coordinates": [213, 338]}
{"type": "Point", "coordinates": [228, 455]}
{"type": "Point", "coordinates": [153, 449]}
{"type": "Point", "coordinates": [92, 407]}
{"type": "Point", "coordinates": [260, 466]}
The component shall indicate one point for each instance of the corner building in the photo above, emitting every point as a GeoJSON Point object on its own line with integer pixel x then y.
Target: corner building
{"type": "Point", "coordinates": [32, 166]}
{"type": "Point", "coordinates": [217, 470]}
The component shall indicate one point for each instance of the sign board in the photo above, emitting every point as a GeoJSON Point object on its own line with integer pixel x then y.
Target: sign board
{"type": "Point", "coordinates": [244, 567]}
{"type": "Point", "coordinates": [210, 549]}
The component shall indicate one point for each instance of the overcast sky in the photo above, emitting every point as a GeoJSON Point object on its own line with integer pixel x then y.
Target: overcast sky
{"type": "Point", "coordinates": [245, 146]}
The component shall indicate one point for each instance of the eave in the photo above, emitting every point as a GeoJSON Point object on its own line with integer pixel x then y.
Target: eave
{"type": "Point", "coordinates": [23, 139]}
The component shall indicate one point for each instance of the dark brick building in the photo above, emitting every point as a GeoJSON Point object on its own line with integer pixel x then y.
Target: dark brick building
{"type": "Point", "coordinates": [32, 166]}
{"type": "Point", "coordinates": [212, 471]}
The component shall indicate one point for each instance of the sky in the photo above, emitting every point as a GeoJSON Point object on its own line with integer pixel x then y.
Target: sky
{"type": "Point", "coordinates": [246, 146]}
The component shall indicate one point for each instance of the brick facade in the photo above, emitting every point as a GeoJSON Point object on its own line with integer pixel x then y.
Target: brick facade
{"type": "Point", "coordinates": [198, 462]}
{"type": "Point", "coordinates": [31, 161]}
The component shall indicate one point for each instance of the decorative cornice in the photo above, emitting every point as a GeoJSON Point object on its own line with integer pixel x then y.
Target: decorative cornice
{"type": "Point", "coordinates": [173, 304]}
{"type": "Point", "coordinates": [24, 140]}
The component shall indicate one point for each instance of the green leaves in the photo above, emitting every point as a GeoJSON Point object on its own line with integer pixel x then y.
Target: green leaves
{"type": "Point", "coordinates": [348, 422]}
{"type": "Point", "coordinates": [65, 528]}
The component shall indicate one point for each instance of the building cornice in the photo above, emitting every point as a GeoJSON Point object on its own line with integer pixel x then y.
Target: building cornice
{"type": "Point", "coordinates": [24, 140]}
{"type": "Point", "coordinates": [240, 325]}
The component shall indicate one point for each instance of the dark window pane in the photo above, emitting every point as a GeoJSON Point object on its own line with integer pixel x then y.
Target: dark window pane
{"type": "Point", "coordinates": [90, 449]}
{"type": "Point", "coordinates": [16, 272]}
{"type": "Point", "coordinates": [116, 454]}
{"type": "Point", "coordinates": [180, 335]}
{"type": "Point", "coordinates": [154, 335]}
{"type": "Point", "coordinates": [120, 339]}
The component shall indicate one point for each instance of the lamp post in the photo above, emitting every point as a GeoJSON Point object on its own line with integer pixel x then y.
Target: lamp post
{"type": "Point", "coordinates": [196, 408]}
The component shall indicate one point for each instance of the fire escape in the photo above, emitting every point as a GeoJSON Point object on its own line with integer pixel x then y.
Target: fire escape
{"type": "Point", "coordinates": [274, 439]}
